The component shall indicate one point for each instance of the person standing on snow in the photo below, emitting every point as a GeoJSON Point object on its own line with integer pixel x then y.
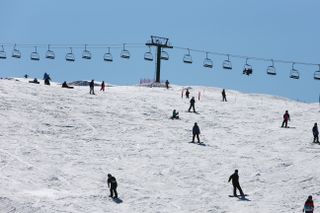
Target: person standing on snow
{"type": "Point", "coordinates": [167, 84]}
{"type": "Point", "coordinates": [195, 132]}
{"type": "Point", "coordinates": [112, 184]}
{"type": "Point", "coordinates": [286, 118]}
{"type": "Point", "coordinates": [192, 102]}
{"type": "Point", "coordinates": [187, 93]}
{"type": "Point", "coordinates": [102, 86]}
{"type": "Point", "coordinates": [224, 96]}
{"type": "Point", "coordinates": [308, 205]}
{"type": "Point", "coordinates": [235, 182]}
{"type": "Point", "coordinates": [315, 132]}
{"type": "Point", "coordinates": [91, 87]}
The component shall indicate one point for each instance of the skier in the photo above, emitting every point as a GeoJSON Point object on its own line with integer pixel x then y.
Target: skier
{"type": "Point", "coordinates": [192, 102]}
{"type": "Point", "coordinates": [187, 93]}
{"type": "Point", "coordinates": [235, 182]}
{"type": "Point", "coordinates": [195, 132]}
{"type": "Point", "coordinates": [91, 87]}
{"type": "Point", "coordinates": [112, 184]}
{"type": "Point", "coordinates": [315, 132]}
{"type": "Point", "coordinates": [308, 205]}
{"type": "Point", "coordinates": [224, 97]}
{"type": "Point", "coordinates": [167, 84]}
{"type": "Point", "coordinates": [175, 115]}
{"type": "Point", "coordinates": [102, 86]}
{"type": "Point", "coordinates": [286, 118]}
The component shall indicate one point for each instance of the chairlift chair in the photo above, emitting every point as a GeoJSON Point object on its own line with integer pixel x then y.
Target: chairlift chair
{"type": "Point", "coordinates": [207, 62]}
{"type": "Point", "coordinates": [16, 53]}
{"type": "Point", "coordinates": [35, 55]}
{"type": "Point", "coordinates": [3, 54]}
{"type": "Point", "coordinates": [271, 70]}
{"type": "Point", "coordinates": [294, 74]}
{"type": "Point", "coordinates": [125, 53]}
{"type": "Point", "coordinates": [247, 69]}
{"type": "Point", "coordinates": [50, 54]}
{"type": "Point", "coordinates": [164, 55]}
{"type": "Point", "coordinates": [70, 56]}
{"type": "Point", "coordinates": [316, 74]}
{"type": "Point", "coordinates": [86, 54]}
{"type": "Point", "coordinates": [148, 55]}
{"type": "Point", "coordinates": [187, 58]}
{"type": "Point", "coordinates": [108, 56]}
{"type": "Point", "coordinates": [227, 64]}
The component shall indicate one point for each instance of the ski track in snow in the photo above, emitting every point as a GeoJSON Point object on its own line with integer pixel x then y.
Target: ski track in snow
{"type": "Point", "coordinates": [57, 146]}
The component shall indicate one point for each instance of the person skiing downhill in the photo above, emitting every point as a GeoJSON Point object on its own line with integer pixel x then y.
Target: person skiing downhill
{"type": "Point", "coordinates": [308, 205]}
{"type": "Point", "coordinates": [112, 184]}
{"type": "Point", "coordinates": [91, 87]}
{"type": "Point", "coordinates": [286, 118]}
{"type": "Point", "coordinates": [192, 102]}
{"type": "Point", "coordinates": [315, 132]}
{"type": "Point", "coordinates": [195, 132]}
{"type": "Point", "coordinates": [235, 182]}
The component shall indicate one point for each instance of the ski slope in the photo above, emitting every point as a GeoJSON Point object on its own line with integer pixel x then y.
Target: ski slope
{"type": "Point", "coordinates": [58, 145]}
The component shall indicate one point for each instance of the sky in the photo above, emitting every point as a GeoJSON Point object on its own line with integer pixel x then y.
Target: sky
{"type": "Point", "coordinates": [285, 30]}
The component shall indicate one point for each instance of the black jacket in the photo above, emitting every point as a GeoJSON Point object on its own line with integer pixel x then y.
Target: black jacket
{"type": "Point", "coordinates": [113, 182]}
{"type": "Point", "coordinates": [235, 179]}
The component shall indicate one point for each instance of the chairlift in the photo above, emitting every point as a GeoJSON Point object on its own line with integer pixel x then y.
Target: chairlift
{"type": "Point", "coordinates": [86, 54]}
{"type": "Point", "coordinates": [271, 70]}
{"type": "Point", "coordinates": [294, 74]}
{"type": "Point", "coordinates": [148, 55]}
{"type": "Point", "coordinates": [125, 53]}
{"type": "Point", "coordinates": [187, 58]}
{"type": "Point", "coordinates": [15, 52]}
{"type": "Point", "coordinates": [207, 62]}
{"type": "Point", "coordinates": [70, 56]}
{"type": "Point", "coordinates": [3, 54]}
{"type": "Point", "coordinates": [227, 64]}
{"type": "Point", "coordinates": [247, 69]}
{"type": "Point", "coordinates": [316, 75]}
{"type": "Point", "coordinates": [50, 54]}
{"type": "Point", "coordinates": [164, 55]}
{"type": "Point", "coordinates": [35, 55]}
{"type": "Point", "coordinates": [108, 56]}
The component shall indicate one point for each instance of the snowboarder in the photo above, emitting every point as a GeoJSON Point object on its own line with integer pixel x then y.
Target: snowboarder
{"type": "Point", "coordinates": [224, 97]}
{"type": "Point", "coordinates": [195, 132]}
{"type": "Point", "coordinates": [308, 205]}
{"type": "Point", "coordinates": [235, 182]}
{"type": "Point", "coordinates": [187, 93]}
{"type": "Point", "coordinates": [167, 84]}
{"type": "Point", "coordinates": [175, 115]}
{"type": "Point", "coordinates": [286, 118]}
{"type": "Point", "coordinates": [102, 86]}
{"type": "Point", "coordinates": [315, 132]}
{"type": "Point", "coordinates": [192, 102]}
{"type": "Point", "coordinates": [112, 184]}
{"type": "Point", "coordinates": [91, 87]}
{"type": "Point", "coordinates": [65, 85]}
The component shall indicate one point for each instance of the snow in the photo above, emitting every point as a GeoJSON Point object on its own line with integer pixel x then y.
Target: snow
{"type": "Point", "coordinates": [58, 145]}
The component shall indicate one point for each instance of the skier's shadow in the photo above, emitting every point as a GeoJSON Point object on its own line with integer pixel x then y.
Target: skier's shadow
{"type": "Point", "coordinates": [117, 200]}
{"type": "Point", "coordinates": [243, 199]}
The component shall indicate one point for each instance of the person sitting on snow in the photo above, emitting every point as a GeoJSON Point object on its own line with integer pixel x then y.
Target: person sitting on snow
{"type": "Point", "coordinates": [175, 115]}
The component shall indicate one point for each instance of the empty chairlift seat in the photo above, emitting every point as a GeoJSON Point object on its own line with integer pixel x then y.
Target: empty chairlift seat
{"type": "Point", "coordinates": [35, 55]}
{"type": "Point", "coordinates": [187, 58]}
{"type": "Point", "coordinates": [207, 62]}
{"type": "Point", "coordinates": [148, 55]}
{"type": "Point", "coordinates": [108, 56]}
{"type": "Point", "coordinates": [50, 54]}
{"type": "Point", "coordinates": [294, 74]}
{"type": "Point", "coordinates": [3, 54]}
{"type": "Point", "coordinates": [86, 54]}
{"type": "Point", "coordinates": [15, 52]}
{"type": "Point", "coordinates": [316, 74]}
{"type": "Point", "coordinates": [70, 56]}
{"type": "Point", "coordinates": [125, 53]}
{"type": "Point", "coordinates": [271, 70]}
{"type": "Point", "coordinates": [164, 55]}
{"type": "Point", "coordinates": [227, 64]}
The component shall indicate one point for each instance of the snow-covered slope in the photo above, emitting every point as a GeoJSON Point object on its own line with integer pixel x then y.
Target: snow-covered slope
{"type": "Point", "coordinates": [58, 145]}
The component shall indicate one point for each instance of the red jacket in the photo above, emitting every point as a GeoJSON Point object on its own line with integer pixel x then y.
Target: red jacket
{"type": "Point", "coordinates": [286, 116]}
{"type": "Point", "coordinates": [308, 206]}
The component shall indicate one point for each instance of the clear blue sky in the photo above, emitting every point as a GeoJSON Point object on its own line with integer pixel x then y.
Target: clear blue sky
{"type": "Point", "coordinates": [286, 29]}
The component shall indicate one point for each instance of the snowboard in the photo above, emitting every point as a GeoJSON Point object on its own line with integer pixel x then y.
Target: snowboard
{"type": "Point", "coordinates": [239, 196]}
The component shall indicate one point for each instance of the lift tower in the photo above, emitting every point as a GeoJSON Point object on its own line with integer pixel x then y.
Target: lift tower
{"type": "Point", "coordinates": [160, 43]}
